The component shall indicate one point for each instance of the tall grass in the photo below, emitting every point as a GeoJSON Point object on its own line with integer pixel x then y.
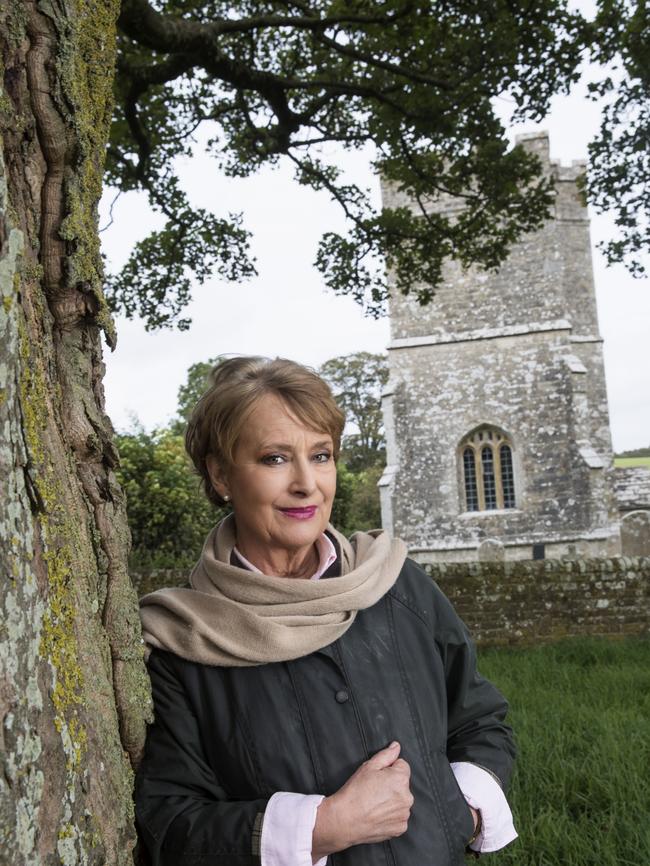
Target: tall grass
{"type": "Point", "coordinates": [580, 710]}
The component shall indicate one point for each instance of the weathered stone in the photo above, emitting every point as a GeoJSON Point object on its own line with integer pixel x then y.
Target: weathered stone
{"type": "Point", "coordinates": [632, 485]}
{"type": "Point", "coordinates": [635, 533]}
{"type": "Point", "coordinates": [491, 550]}
{"type": "Point", "coordinates": [516, 353]}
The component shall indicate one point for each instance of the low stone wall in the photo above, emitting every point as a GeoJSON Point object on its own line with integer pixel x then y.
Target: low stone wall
{"type": "Point", "coordinates": [534, 601]}
{"type": "Point", "coordinates": [526, 601]}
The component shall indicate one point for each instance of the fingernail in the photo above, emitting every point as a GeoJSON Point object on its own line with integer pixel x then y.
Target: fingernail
{"type": "Point", "coordinates": [393, 744]}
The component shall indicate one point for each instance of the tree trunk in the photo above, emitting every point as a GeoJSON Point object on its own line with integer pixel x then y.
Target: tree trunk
{"type": "Point", "coordinates": [74, 696]}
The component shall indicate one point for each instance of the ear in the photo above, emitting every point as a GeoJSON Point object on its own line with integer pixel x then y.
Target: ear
{"type": "Point", "coordinates": [217, 475]}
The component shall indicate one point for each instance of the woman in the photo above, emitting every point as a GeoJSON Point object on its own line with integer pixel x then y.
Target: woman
{"type": "Point", "coordinates": [316, 700]}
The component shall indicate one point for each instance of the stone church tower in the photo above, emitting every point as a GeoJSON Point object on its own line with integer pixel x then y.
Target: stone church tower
{"type": "Point", "coordinates": [498, 440]}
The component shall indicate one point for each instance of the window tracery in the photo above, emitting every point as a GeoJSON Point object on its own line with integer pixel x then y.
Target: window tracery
{"type": "Point", "coordinates": [488, 470]}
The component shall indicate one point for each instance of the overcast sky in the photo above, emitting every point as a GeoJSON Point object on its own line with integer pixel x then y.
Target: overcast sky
{"type": "Point", "coordinates": [287, 311]}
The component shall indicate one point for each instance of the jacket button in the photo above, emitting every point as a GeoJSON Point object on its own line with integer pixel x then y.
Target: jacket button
{"type": "Point", "coordinates": [342, 696]}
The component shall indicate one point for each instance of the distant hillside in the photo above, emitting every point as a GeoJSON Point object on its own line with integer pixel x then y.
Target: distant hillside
{"type": "Point", "coordinates": [637, 452]}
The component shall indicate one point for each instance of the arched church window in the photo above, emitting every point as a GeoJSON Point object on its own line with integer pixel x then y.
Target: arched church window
{"type": "Point", "coordinates": [507, 476]}
{"type": "Point", "coordinates": [489, 481]}
{"type": "Point", "coordinates": [469, 471]}
{"type": "Point", "coordinates": [488, 470]}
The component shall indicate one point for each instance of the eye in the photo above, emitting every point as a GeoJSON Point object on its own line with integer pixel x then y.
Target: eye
{"type": "Point", "coordinates": [273, 459]}
{"type": "Point", "coordinates": [322, 457]}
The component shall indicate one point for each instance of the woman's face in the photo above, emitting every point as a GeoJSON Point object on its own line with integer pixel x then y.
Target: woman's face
{"type": "Point", "coordinates": [282, 483]}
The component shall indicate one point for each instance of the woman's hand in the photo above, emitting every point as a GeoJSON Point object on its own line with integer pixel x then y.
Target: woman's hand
{"type": "Point", "coordinates": [373, 805]}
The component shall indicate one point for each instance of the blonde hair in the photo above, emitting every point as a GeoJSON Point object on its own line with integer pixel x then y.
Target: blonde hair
{"type": "Point", "coordinates": [236, 385]}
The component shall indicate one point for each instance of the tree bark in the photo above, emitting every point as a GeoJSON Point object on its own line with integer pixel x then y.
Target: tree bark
{"type": "Point", "coordinates": [74, 695]}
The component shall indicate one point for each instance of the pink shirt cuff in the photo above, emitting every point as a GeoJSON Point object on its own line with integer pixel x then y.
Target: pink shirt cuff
{"type": "Point", "coordinates": [290, 818]}
{"type": "Point", "coordinates": [483, 793]}
{"type": "Point", "coordinates": [288, 828]}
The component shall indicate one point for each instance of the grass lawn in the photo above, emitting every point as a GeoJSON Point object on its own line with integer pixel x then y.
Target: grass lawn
{"type": "Point", "coordinates": [632, 461]}
{"type": "Point", "coordinates": [580, 710]}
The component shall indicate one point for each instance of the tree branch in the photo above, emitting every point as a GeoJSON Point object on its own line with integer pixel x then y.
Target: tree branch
{"type": "Point", "coordinates": [148, 75]}
{"type": "Point", "coordinates": [141, 13]}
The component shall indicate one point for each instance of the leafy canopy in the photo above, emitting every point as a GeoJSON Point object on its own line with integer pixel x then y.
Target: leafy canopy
{"type": "Point", "coordinates": [169, 516]}
{"type": "Point", "coordinates": [189, 394]}
{"type": "Point", "coordinates": [619, 156]}
{"type": "Point", "coordinates": [357, 381]}
{"type": "Point", "coordinates": [270, 80]}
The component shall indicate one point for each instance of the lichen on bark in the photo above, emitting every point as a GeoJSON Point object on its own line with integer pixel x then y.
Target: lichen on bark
{"type": "Point", "coordinates": [22, 780]}
{"type": "Point", "coordinates": [74, 697]}
{"type": "Point", "coordinates": [86, 59]}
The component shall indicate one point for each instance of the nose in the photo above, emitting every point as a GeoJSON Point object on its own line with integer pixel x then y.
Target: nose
{"type": "Point", "coordinates": [303, 479]}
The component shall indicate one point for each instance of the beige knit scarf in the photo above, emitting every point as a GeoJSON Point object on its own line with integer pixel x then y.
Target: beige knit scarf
{"type": "Point", "coordinates": [235, 617]}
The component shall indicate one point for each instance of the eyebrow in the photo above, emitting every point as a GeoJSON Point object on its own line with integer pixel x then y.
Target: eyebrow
{"type": "Point", "coordinates": [283, 446]}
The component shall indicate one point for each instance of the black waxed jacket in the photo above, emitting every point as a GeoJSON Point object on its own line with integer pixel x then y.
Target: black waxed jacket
{"type": "Point", "coordinates": [226, 739]}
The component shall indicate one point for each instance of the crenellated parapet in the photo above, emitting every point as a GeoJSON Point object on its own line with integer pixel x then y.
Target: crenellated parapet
{"type": "Point", "coordinates": [505, 359]}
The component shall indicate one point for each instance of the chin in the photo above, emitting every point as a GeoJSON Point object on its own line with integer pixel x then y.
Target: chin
{"type": "Point", "coordinates": [304, 532]}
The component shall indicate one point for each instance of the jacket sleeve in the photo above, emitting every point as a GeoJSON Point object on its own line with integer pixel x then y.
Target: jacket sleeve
{"type": "Point", "coordinates": [183, 814]}
{"type": "Point", "coordinates": [476, 710]}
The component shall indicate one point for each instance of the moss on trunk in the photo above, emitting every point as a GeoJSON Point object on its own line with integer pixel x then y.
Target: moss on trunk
{"type": "Point", "coordinates": [74, 696]}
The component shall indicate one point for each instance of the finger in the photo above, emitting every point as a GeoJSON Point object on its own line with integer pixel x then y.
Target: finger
{"type": "Point", "coordinates": [403, 766]}
{"type": "Point", "coordinates": [385, 757]}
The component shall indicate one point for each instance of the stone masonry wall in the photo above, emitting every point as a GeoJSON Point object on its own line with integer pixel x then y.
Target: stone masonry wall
{"type": "Point", "coordinates": [531, 602]}
{"type": "Point", "coordinates": [517, 351]}
{"type": "Point", "coordinates": [632, 485]}
{"type": "Point", "coordinates": [525, 387]}
{"type": "Point", "coordinates": [547, 278]}
{"type": "Point", "coordinates": [527, 602]}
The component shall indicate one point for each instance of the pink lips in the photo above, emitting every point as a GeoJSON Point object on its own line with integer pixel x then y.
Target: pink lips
{"type": "Point", "coordinates": [300, 513]}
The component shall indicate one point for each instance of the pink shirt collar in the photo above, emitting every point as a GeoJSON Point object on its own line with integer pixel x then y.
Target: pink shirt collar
{"type": "Point", "coordinates": [326, 556]}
